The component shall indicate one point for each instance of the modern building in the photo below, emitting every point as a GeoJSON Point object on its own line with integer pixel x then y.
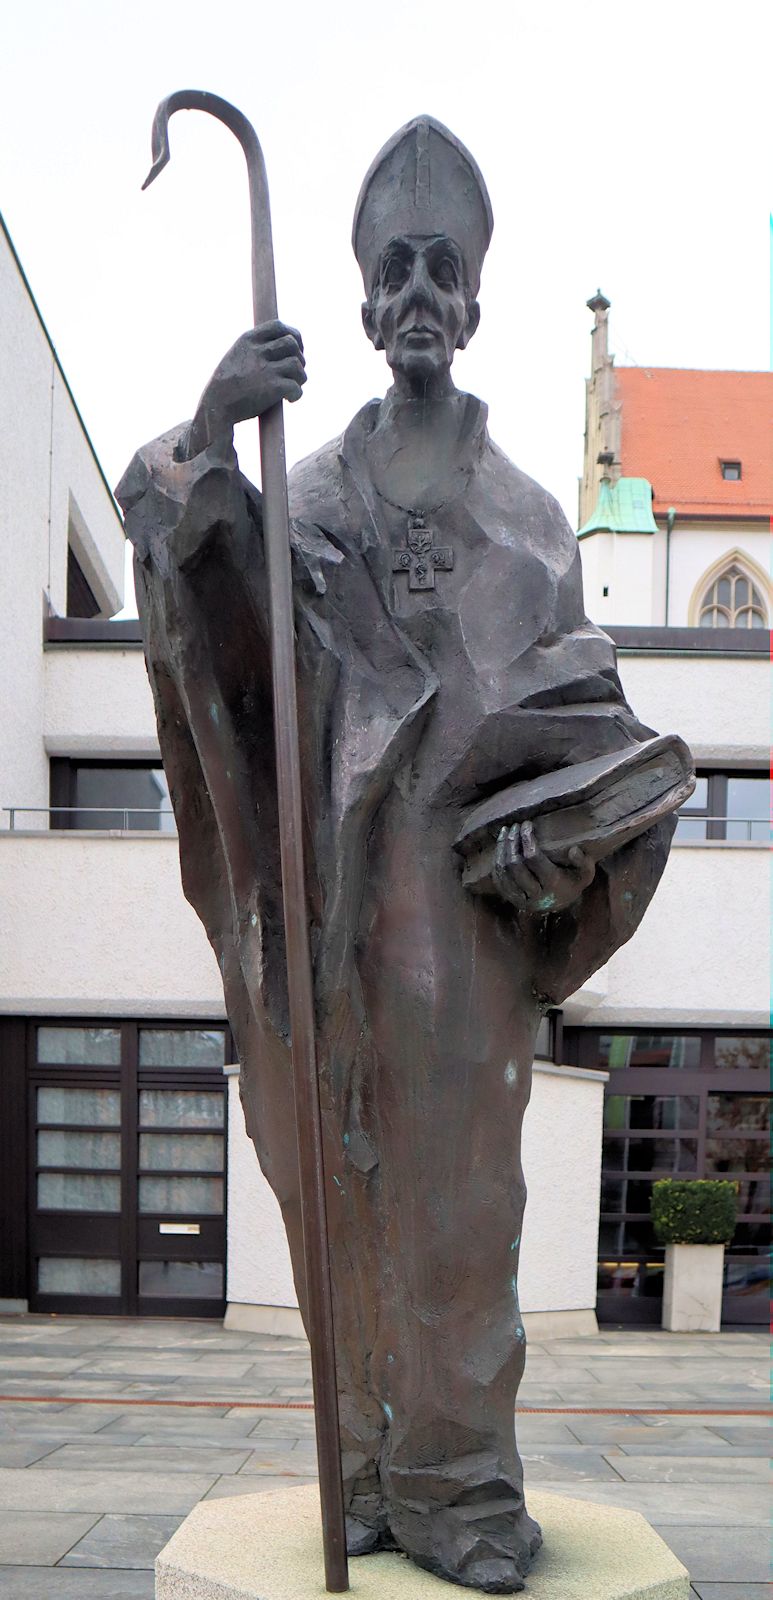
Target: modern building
{"type": "Point", "coordinates": [127, 1182]}
{"type": "Point", "coordinates": [675, 519]}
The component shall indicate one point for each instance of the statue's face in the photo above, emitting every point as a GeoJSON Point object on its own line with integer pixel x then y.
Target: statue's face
{"type": "Point", "coordinates": [420, 310]}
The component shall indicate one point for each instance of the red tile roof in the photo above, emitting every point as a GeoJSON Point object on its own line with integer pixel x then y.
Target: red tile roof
{"type": "Point", "coordinates": [677, 425]}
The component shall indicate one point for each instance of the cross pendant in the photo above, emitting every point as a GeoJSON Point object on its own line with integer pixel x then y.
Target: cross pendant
{"type": "Point", "coordinates": [419, 557]}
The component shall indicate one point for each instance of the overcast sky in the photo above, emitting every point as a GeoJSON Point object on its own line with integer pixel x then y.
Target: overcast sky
{"type": "Point", "coordinates": [626, 146]}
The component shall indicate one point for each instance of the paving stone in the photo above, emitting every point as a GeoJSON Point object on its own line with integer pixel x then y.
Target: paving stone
{"type": "Point", "coordinates": [253, 1483]}
{"type": "Point", "coordinates": [56, 1583]}
{"type": "Point", "coordinates": [756, 1440]}
{"type": "Point", "coordinates": [34, 1488]}
{"type": "Point", "coordinates": [123, 1541]}
{"type": "Point", "coordinates": [566, 1466]}
{"type": "Point", "coordinates": [676, 1505]}
{"type": "Point", "coordinates": [732, 1591]}
{"type": "Point", "coordinates": [721, 1555]}
{"type": "Point", "coordinates": [162, 1458]}
{"type": "Point", "coordinates": [692, 1469]}
{"type": "Point", "coordinates": [22, 1452]}
{"type": "Point", "coordinates": [39, 1538]}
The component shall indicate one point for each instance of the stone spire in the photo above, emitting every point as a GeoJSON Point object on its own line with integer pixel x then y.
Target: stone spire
{"type": "Point", "coordinates": [602, 413]}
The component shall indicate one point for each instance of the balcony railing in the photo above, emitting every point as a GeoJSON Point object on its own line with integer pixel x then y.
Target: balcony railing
{"type": "Point", "coordinates": [124, 818]}
{"type": "Point", "coordinates": [722, 830]}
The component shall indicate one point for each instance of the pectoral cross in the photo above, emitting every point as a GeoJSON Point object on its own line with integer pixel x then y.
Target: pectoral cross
{"type": "Point", "coordinates": [420, 558]}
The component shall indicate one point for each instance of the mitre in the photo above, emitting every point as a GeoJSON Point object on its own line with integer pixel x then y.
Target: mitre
{"type": "Point", "coordinates": [423, 182]}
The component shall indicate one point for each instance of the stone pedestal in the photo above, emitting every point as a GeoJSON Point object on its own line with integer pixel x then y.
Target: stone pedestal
{"type": "Point", "coordinates": [692, 1288]}
{"type": "Point", "coordinates": [269, 1547]}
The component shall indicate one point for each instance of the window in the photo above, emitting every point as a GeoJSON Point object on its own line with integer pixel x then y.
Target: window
{"type": "Point", "coordinates": [733, 601]}
{"type": "Point", "coordinates": [104, 795]}
{"type": "Point", "coordinates": [731, 471]}
{"type": "Point", "coordinates": [727, 805]}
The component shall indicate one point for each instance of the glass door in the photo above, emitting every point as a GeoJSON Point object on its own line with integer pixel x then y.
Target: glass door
{"type": "Point", "coordinates": [127, 1165]}
{"type": "Point", "coordinates": [75, 1170]}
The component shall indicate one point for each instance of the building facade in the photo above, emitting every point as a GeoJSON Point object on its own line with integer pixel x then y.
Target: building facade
{"type": "Point", "coordinates": [674, 529]}
{"type": "Point", "coordinates": [127, 1182]}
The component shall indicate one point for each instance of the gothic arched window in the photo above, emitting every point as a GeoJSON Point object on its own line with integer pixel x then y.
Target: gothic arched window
{"type": "Point", "coordinates": [733, 601]}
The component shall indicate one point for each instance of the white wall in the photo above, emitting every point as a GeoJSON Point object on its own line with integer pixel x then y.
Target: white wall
{"type": "Point", "coordinates": [633, 568]}
{"type": "Point", "coordinates": [97, 924]}
{"type": "Point", "coordinates": [562, 1133]}
{"type": "Point", "coordinates": [48, 479]}
{"type": "Point", "coordinates": [258, 1269]}
{"type": "Point", "coordinates": [98, 702]}
{"type": "Point", "coordinates": [719, 704]}
{"type": "Point", "coordinates": [701, 955]}
{"type": "Point", "coordinates": [695, 548]}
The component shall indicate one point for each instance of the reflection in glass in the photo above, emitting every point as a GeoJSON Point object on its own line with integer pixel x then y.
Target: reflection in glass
{"type": "Point", "coordinates": [134, 796]}
{"type": "Point", "coordinates": [663, 1156]}
{"type": "Point", "coordinates": [79, 1047]}
{"type": "Point", "coordinates": [742, 1113]}
{"type": "Point", "coordinates": [192, 1280]}
{"type": "Point", "coordinates": [633, 1279]}
{"type": "Point", "coordinates": [726, 1157]}
{"type": "Point", "coordinates": [181, 1152]}
{"type": "Point", "coordinates": [179, 1197]}
{"type": "Point", "coordinates": [748, 808]}
{"type": "Point", "coordinates": [180, 1108]}
{"type": "Point", "coordinates": [613, 1193]}
{"type": "Point", "coordinates": [615, 1111]}
{"type": "Point", "coordinates": [62, 1149]}
{"type": "Point", "coordinates": [610, 1238]}
{"type": "Point", "coordinates": [78, 1275]}
{"type": "Point", "coordinates": [99, 1108]}
{"type": "Point", "coordinates": [182, 1047]}
{"type": "Point", "coordinates": [690, 827]}
{"type": "Point", "coordinates": [748, 1278]}
{"type": "Point", "coordinates": [754, 1198]}
{"type": "Point", "coordinates": [648, 1050]}
{"type": "Point", "coordinates": [738, 1052]}
{"type": "Point", "coordinates": [71, 1191]}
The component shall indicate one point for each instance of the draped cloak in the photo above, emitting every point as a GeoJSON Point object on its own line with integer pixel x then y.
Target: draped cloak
{"type": "Point", "coordinates": [411, 708]}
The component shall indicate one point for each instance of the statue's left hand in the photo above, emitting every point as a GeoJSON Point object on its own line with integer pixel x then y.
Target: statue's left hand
{"type": "Point", "coordinates": [530, 880]}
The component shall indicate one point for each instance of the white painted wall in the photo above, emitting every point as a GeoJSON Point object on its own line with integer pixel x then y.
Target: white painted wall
{"type": "Point", "coordinates": [98, 702]}
{"type": "Point", "coordinates": [694, 548]}
{"type": "Point", "coordinates": [562, 1131]}
{"type": "Point", "coordinates": [701, 955]}
{"type": "Point", "coordinates": [94, 923]}
{"type": "Point", "coordinates": [633, 568]}
{"type": "Point", "coordinates": [258, 1267]}
{"type": "Point", "coordinates": [719, 704]}
{"type": "Point", "coordinates": [49, 479]}
{"type": "Point", "coordinates": [561, 1156]}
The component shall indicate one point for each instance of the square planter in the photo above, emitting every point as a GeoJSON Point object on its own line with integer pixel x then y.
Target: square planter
{"type": "Point", "coordinates": [692, 1291]}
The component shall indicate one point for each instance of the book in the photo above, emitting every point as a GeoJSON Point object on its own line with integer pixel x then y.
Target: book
{"type": "Point", "coordinates": [599, 804]}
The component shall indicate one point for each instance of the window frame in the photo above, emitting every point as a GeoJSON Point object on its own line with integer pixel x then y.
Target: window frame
{"type": "Point", "coordinates": [62, 798]}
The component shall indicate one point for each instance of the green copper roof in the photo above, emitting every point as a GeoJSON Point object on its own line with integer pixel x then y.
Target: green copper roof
{"type": "Point", "coordinates": [622, 507]}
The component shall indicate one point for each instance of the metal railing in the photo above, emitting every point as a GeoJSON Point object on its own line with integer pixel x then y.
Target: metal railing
{"type": "Point", "coordinates": [122, 812]}
{"type": "Point", "coordinates": [726, 823]}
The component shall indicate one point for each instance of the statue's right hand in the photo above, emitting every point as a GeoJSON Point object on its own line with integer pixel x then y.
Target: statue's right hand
{"type": "Point", "coordinates": [262, 368]}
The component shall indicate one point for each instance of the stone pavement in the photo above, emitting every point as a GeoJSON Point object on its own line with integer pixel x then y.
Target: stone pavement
{"type": "Point", "coordinates": [105, 1443]}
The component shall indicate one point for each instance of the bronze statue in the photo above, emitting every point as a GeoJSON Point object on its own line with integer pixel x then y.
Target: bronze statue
{"type": "Point", "coordinates": [443, 657]}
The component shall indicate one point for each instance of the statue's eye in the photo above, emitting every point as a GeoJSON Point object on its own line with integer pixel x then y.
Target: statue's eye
{"type": "Point", "coordinates": [394, 273]}
{"type": "Point", "coordinates": [445, 273]}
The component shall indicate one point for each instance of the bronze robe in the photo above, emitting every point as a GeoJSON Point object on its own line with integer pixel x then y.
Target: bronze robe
{"type": "Point", "coordinates": [428, 999]}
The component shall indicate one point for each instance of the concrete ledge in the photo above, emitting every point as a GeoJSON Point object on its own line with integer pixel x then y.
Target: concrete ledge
{"type": "Point", "coordinates": [559, 1324]}
{"type": "Point", "coordinates": [285, 1321]}
{"type": "Point", "coordinates": [269, 1547]}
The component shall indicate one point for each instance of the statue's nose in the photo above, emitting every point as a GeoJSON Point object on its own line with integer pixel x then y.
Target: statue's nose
{"type": "Point", "coordinates": [420, 289]}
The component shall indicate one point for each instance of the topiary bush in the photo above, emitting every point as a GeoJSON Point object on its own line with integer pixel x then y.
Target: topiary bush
{"type": "Point", "coordinates": [694, 1210]}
